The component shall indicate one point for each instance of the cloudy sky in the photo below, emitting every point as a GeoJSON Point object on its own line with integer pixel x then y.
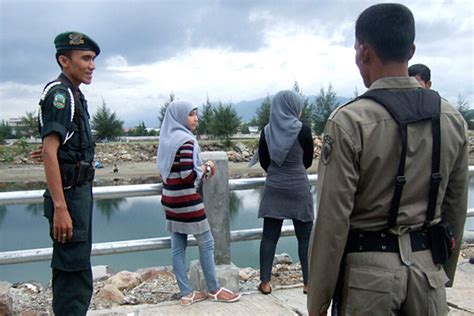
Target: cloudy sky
{"type": "Point", "coordinates": [228, 50]}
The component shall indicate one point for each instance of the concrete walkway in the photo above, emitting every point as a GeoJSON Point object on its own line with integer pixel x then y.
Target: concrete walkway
{"type": "Point", "coordinates": [286, 301]}
{"type": "Point", "coordinates": [280, 302]}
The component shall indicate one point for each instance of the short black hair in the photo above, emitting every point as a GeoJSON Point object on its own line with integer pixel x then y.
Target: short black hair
{"type": "Point", "coordinates": [65, 52]}
{"type": "Point", "coordinates": [389, 28]}
{"type": "Point", "coordinates": [421, 70]}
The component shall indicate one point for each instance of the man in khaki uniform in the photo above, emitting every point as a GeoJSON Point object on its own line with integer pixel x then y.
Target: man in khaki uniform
{"type": "Point", "coordinates": [392, 272]}
{"type": "Point", "coordinates": [422, 74]}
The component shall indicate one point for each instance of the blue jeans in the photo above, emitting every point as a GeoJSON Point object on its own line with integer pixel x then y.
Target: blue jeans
{"type": "Point", "coordinates": [205, 241]}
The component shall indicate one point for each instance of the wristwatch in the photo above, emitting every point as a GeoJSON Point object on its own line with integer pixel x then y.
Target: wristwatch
{"type": "Point", "coordinates": [208, 170]}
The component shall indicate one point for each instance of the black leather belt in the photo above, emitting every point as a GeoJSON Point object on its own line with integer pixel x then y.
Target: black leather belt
{"type": "Point", "coordinates": [380, 241]}
{"type": "Point", "coordinates": [76, 174]}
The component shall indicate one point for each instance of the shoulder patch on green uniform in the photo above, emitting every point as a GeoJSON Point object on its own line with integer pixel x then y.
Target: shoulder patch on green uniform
{"type": "Point", "coordinates": [327, 149]}
{"type": "Point", "coordinates": [59, 101]}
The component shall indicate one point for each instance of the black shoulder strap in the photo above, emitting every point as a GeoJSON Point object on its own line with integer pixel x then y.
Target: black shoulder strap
{"type": "Point", "coordinates": [409, 106]}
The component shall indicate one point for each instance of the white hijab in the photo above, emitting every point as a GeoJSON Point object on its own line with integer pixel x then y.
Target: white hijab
{"type": "Point", "coordinates": [284, 125]}
{"type": "Point", "coordinates": [174, 133]}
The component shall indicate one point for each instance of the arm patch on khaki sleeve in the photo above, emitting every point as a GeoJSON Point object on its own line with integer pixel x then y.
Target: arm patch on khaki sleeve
{"type": "Point", "coordinates": [327, 149]}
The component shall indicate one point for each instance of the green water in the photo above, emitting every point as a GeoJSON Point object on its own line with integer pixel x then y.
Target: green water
{"type": "Point", "coordinates": [24, 227]}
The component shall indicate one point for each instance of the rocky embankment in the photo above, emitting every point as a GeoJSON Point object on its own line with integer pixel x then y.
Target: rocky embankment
{"type": "Point", "coordinates": [135, 162]}
{"type": "Point", "coordinates": [144, 286]}
{"type": "Point", "coordinates": [130, 152]}
{"type": "Point", "coordinates": [111, 153]}
{"type": "Point", "coordinates": [158, 284]}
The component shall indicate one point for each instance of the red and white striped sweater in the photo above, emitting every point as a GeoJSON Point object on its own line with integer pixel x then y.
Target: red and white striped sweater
{"type": "Point", "coordinates": [182, 203]}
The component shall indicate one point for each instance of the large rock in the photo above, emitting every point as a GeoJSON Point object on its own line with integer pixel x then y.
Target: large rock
{"type": "Point", "coordinates": [125, 280]}
{"type": "Point", "coordinates": [6, 302]}
{"type": "Point", "coordinates": [227, 274]}
{"type": "Point", "coordinates": [239, 147]}
{"type": "Point", "coordinates": [282, 258]}
{"type": "Point", "coordinates": [155, 273]}
{"type": "Point", "coordinates": [110, 294]}
{"type": "Point", "coordinates": [246, 274]}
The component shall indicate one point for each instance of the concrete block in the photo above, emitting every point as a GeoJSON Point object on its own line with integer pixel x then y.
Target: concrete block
{"type": "Point", "coordinates": [227, 274]}
{"type": "Point", "coordinates": [101, 272]}
{"type": "Point", "coordinates": [215, 193]}
{"type": "Point", "coordinates": [282, 258]}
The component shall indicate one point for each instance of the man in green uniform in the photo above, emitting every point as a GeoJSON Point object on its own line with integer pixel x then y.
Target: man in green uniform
{"type": "Point", "coordinates": [377, 249]}
{"type": "Point", "coordinates": [67, 152]}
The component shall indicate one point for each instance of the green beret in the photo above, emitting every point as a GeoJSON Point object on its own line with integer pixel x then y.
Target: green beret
{"type": "Point", "coordinates": [75, 41]}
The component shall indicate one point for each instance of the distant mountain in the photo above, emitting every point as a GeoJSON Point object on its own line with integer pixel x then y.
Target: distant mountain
{"type": "Point", "coordinates": [247, 109]}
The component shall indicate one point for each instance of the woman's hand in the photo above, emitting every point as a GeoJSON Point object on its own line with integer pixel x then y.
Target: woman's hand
{"type": "Point", "coordinates": [209, 173]}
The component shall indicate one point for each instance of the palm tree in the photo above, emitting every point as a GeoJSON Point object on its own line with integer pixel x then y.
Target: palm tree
{"type": "Point", "coordinates": [28, 125]}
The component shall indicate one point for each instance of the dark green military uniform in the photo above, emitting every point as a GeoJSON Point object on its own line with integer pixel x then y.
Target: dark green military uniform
{"type": "Point", "coordinates": [63, 111]}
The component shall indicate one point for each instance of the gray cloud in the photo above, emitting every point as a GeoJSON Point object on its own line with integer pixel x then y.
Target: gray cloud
{"type": "Point", "coordinates": [143, 31]}
{"type": "Point", "coordinates": [146, 31]}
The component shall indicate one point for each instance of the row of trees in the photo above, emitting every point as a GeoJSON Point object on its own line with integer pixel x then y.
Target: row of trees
{"type": "Point", "coordinates": [314, 115]}
{"type": "Point", "coordinates": [221, 120]}
{"type": "Point", "coordinates": [215, 120]}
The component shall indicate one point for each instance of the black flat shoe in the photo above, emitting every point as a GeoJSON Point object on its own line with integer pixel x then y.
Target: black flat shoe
{"type": "Point", "coordinates": [260, 288]}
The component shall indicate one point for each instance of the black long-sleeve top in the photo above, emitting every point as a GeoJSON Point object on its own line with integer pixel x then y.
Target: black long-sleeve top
{"type": "Point", "coordinates": [304, 138]}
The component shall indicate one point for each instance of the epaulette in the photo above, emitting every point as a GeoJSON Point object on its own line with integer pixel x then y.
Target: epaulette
{"type": "Point", "coordinates": [340, 107]}
{"type": "Point", "coordinates": [49, 88]}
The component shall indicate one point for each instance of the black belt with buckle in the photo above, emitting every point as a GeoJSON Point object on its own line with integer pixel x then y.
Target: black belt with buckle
{"type": "Point", "coordinates": [381, 241]}
{"type": "Point", "coordinates": [76, 174]}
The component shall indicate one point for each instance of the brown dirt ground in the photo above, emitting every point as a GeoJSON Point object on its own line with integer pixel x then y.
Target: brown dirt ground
{"type": "Point", "coordinates": [31, 176]}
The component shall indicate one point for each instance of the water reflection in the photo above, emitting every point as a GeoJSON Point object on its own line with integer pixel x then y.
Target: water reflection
{"type": "Point", "coordinates": [35, 209]}
{"type": "Point", "coordinates": [234, 204]}
{"type": "Point", "coordinates": [130, 219]}
{"type": "Point", "coordinates": [109, 207]}
{"type": "Point", "coordinates": [3, 212]}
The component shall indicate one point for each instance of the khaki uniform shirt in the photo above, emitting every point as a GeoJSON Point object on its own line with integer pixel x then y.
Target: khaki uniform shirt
{"type": "Point", "coordinates": [359, 163]}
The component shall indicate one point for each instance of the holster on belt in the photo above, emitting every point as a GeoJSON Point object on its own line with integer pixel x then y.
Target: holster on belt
{"type": "Point", "coordinates": [442, 242]}
{"type": "Point", "coordinates": [76, 174]}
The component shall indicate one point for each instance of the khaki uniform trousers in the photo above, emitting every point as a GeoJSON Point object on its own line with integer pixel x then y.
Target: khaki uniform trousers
{"type": "Point", "coordinates": [381, 283]}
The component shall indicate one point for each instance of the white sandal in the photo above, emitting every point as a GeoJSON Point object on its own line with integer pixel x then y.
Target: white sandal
{"type": "Point", "coordinates": [188, 300]}
{"type": "Point", "coordinates": [215, 297]}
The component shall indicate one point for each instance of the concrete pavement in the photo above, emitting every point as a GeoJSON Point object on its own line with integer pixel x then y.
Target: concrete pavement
{"type": "Point", "coordinates": [285, 301]}
{"type": "Point", "coordinates": [290, 301]}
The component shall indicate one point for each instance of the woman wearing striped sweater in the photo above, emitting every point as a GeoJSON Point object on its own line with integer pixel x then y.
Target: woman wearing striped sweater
{"type": "Point", "coordinates": [180, 165]}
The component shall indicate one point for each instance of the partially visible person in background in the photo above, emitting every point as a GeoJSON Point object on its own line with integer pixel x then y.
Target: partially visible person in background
{"type": "Point", "coordinates": [285, 152]}
{"type": "Point", "coordinates": [422, 74]}
{"type": "Point", "coordinates": [179, 164]}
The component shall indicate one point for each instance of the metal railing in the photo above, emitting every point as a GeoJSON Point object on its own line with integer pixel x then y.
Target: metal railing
{"type": "Point", "coordinates": [116, 247]}
{"type": "Point", "coordinates": [137, 245]}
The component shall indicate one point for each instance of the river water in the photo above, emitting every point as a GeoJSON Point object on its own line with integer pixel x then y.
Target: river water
{"type": "Point", "coordinates": [24, 227]}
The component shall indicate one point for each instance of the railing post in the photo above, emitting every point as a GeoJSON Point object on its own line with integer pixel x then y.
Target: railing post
{"type": "Point", "coordinates": [215, 193]}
